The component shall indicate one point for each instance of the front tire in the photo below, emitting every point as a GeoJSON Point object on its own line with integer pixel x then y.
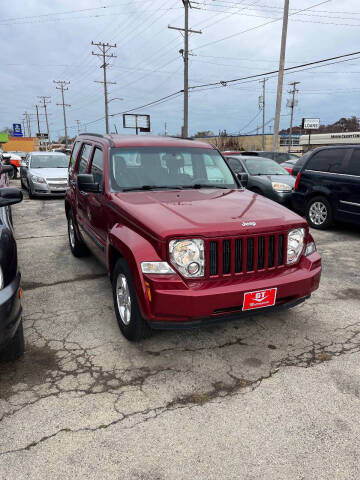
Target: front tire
{"type": "Point", "coordinates": [77, 246]}
{"type": "Point", "coordinates": [319, 213]}
{"type": "Point", "coordinates": [127, 310]}
{"type": "Point", "coordinates": [16, 347]}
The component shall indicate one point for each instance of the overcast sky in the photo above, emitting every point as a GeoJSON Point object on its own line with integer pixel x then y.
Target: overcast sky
{"type": "Point", "coordinates": [51, 40]}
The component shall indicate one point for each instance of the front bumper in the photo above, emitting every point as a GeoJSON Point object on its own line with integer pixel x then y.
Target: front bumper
{"type": "Point", "coordinates": [48, 189]}
{"type": "Point", "coordinates": [10, 310]}
{"type": "Point", "coordinates": [282, 197]}
{"type": "Point", "coordinates": [175, 302]}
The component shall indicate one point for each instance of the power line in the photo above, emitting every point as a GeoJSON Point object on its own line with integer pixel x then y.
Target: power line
{"type": "Point", "coordinates": [258, 26]}
{"type": "Point", "coordinates": [225, 82]}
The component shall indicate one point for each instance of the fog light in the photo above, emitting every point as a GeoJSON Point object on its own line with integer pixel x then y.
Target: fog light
{"type": "Point", "coordinates": [310, 248]}
{"type": "Point", "coordinates": [193, 268]}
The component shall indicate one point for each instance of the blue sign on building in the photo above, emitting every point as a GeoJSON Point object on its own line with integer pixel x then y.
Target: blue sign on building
{"type": "Point", "coordinates": [17, 131]}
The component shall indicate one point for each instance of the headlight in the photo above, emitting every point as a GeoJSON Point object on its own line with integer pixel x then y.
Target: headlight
{"type": "Point", "coordinates": [37, 179]}
{"type": "Point", "coordinates": [295, 245]}
{"type": "Point", "coordinates": [188, 256]}
{"type": "Point", "coordinates": [310, 248]}
{"type": "Point", "coordinates": [281, 187]}
{"type": "Point", "coordinates": [1, 279]}
{"type": "Point", "coordinates": [156, 267]}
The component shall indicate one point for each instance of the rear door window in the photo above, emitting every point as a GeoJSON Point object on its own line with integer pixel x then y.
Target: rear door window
{"type": "Point", "coordinates": [353, 167]}
{"type": "Point", "coordinates": [331, 160]}
{"type": "Point", "coordinates": [84, 158]}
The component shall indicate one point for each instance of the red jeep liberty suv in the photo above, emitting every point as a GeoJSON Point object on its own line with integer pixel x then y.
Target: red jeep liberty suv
{"type": "Point", "coordinates": [183, 242]}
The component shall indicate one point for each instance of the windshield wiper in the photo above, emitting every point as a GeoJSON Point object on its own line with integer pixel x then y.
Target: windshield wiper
{"type": "Point", "coordinates": [153, 187]}
{"type": "Point", "coordinates": [206, 185]}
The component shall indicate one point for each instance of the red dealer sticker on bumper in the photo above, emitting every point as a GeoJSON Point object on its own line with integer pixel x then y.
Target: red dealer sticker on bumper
{"type": "Point", "coordinates": [259, 299]}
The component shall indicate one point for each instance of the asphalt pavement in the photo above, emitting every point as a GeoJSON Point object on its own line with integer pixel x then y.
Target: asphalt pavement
{"type": "Point", "coordinates": [276, 396]}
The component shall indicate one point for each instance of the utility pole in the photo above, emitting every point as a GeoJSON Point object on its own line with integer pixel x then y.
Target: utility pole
{"type": "Point", "coordinates": [44, 105]}
{"type": "Point", "coordinates": [263, 112]}
{"type": "Point", "coordinates": [280, 76]}
{"type": "Point", "coordinates": [78, 126]}
{"type": "Point", "coordinates": [104, 48]}
{"type": "Point", "coordinates": [165, 130]}
{"type": "Point", "coordinates": [23, 125]}
{"type": "Point", "coordinates": [27, 118]}
{"type": "Point", "coordinates": [61, 87]}
{"type": "Point", "coordinates": [292, 105]}
{"type": "Point", "coordinates": [185, 54]}
{"type": "Point", "coordinates": [37, 117]}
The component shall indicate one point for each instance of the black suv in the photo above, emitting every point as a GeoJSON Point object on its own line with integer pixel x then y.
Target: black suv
{"type": "Point", "coordinates": [327, 187]}
{"type": "Point", "coordinates": [11, 329]}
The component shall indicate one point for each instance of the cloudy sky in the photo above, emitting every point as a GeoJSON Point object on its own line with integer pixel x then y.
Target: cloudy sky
{"type": "Point", "coordinates": [50, 40]}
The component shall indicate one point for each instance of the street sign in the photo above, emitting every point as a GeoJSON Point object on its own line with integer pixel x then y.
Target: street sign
{"type": "Point", "coordinates": [17, 131]}
{"type": "Point", "coordinates": [310, 123]}
{"type": "Point", "coordinates": [135, 120]}
{"type": "Point", "coordinates": [42, 135]}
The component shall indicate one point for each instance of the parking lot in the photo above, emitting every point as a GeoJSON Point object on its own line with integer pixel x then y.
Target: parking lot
{"type": "Point", "coordinates": [276, 396]}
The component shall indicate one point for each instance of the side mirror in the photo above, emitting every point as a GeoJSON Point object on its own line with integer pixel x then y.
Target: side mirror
{"type": "Point", "coordinates": [6, 169]}
{"type": "Point", "coordinates": [244, 178]}
{"type": "Point", "coordinates": [10, 196]}
{"type": "Point", "coordinates": [86, 183]}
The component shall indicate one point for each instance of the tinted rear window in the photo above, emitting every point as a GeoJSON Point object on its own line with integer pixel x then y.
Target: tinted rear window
{"type": "Point", "coordinates": [331, 160]}
{"type": "Point", "coordinates": [354, 163]}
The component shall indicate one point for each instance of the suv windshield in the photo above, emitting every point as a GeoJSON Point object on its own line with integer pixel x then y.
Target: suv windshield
{"type": "Point", "coordinates": [168, 167]}
{"type": "Point", "coordinates": [264, 166]}
{"type": "Point", "coordinates": [49, 161]}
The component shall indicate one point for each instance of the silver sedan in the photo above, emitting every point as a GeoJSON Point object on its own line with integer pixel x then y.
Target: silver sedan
{"type": "Point", "coordinates": [44, 173]}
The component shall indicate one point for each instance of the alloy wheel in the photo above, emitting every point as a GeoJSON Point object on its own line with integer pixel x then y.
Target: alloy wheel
{"type": "Point", "coordinates": [318, 213]}
{"type": "Point", "coordinates": [123, 299]}
{"type": "Point", "coordinates": [71, 233]}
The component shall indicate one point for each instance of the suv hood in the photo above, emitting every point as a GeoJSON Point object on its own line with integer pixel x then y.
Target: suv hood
{"type": "Point", "coordinates": [287, 179]}
{"type": "Point", "coordinates": [204, 212]}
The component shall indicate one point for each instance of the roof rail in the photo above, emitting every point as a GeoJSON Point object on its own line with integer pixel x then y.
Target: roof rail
{"type": "Point", "coordinates": [99, 135]}
{"type": "Point", "coordinates": [182, 138]}
{"type": "Point", "coordinates": [92, 134]}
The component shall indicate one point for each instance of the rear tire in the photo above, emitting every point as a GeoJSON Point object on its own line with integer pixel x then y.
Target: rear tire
{"type": "Point", "coordinates": [16, 347]}
{"type": "Point", "coordinates": [126, 305]}
{"type": "Point", "coordinates": [77, 246]}
{"type": "Point", "coordinates": [319, 213]}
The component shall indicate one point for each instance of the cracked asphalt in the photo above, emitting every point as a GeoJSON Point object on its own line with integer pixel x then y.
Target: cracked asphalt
{"type": "Point", "coordinates": [271, 397]}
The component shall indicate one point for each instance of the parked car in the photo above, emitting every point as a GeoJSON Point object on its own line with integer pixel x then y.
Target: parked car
{"type": "Point", "coordinates": [44, 173]}
{"type": "Point", "coordinates": [327, 188]}
{"type": "Point", "coordinates": [9, 158]}
{"type": "Point", "coordinates": [278, 157]}
{"type": "Point", "coordinates": [300, 163]}
{"type": "Point", "coordinates": [289, 165]}
{"type": "Point", "coordinates": [20, 154]}
{"type": "Point", "coordinates": [265, 177]}
{"type": "Point", "coordinates": [182, 249]}
{"type": "Point", "coordinates": [11, 328]}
